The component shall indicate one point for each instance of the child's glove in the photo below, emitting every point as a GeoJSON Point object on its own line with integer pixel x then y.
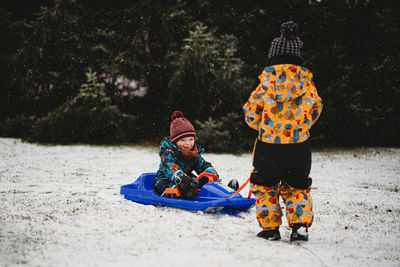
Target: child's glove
{"type": "Point", "coordinates": [187, 186]}
{"type": "Point", "coordinates": [204, 178]}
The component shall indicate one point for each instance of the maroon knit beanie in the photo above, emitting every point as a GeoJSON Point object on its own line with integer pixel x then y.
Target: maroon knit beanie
{"type": "Point", "coordinates": [180, 127]}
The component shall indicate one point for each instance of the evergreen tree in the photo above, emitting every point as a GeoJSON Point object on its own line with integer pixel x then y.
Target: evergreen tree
{"type": "Point", "coordinates": [193, 57]}
{"type": "Point", "coordinates": [226, 134]}
{"type": "Point", "coordinates": [207, 78]}
{"type": "Point", "coordinates": [89, 117]}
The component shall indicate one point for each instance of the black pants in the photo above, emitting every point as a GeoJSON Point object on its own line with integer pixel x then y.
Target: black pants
{"type": "Point", "coordinates": [282, 162]}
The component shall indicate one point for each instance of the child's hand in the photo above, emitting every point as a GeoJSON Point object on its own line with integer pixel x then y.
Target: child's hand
{"type": "Point", "coordinates": [209, 176]}
{"type": "Point", "coordinates": [203, 180]}
{"type": "Point", "coordinates": [187, 186]}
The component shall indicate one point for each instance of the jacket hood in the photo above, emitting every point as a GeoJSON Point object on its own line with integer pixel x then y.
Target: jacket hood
{"type": "Point", "coordinates": [285, 82]}
{"type": "Point", "coordinates": [167, 144]}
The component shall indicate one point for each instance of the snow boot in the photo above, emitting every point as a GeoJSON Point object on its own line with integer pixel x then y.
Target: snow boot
{"type": "Point", "coordinates": [270, 234]}
{"type": "Point", "coordinates": [299, 232]}
{"type": "Point", "coordinates": [234, 184]}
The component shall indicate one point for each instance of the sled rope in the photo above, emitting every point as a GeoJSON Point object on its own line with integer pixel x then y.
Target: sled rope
{"type": "Point", "coordinates": [240, 189]}
{"type": "Point", "coordinates": [249, 193]}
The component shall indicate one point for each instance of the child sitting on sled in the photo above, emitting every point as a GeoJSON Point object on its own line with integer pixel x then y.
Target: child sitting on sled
{"type": "Point", "coordinates": [282, 109]}
{"type": "Point", "coordinates": [180, 156]}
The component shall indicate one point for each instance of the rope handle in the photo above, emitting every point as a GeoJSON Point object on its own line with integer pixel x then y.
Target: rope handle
{"type": "Point", "coordinates": [240, 189]}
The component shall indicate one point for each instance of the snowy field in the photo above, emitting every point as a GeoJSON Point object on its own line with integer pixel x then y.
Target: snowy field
{"type": "Point", "coordinates": [60, 206]}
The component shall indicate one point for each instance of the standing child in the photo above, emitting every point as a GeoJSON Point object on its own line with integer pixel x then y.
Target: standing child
{"type": "Point", "coordinates": [180, 156]}
{"type": "Point", "coordinates": [282, 109]}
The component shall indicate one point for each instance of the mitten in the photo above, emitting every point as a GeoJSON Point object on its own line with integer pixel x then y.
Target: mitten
{"type": "Point", "coordinates": [187, 186]}
{"type": "Point", "coordinates": [203, 180]}
{"type": "Point", "coordinates": [209, 176]}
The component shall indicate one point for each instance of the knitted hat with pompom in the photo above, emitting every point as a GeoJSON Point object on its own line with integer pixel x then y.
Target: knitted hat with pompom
{"type": "Point", "coordinates": [288, 43]}
{"type": "Point", "coordinates": [180, 127]}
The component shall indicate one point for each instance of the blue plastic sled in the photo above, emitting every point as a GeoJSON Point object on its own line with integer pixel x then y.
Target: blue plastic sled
{"type": "Point", "coordinates": [211, 198]}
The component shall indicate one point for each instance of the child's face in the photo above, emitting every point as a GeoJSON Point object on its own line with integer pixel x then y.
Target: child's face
{"type": "Point", "coordinates": [185, 143]}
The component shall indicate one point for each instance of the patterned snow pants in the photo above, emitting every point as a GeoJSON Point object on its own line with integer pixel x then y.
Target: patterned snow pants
{"type": "Point", "coordinates": [282, 171]}
{"type": "Point", "coordinates": [298, 204]}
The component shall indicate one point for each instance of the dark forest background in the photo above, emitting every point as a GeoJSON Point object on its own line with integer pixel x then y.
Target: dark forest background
{"type": "Point", "coordinates": [108, 72]}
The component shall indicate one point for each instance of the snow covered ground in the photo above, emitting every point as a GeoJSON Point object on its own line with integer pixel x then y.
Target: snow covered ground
{"type": "Point", "coordinates": [60, 206]}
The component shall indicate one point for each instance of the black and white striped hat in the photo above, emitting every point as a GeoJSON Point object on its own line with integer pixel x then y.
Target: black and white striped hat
{"type": "Point", "coordinates": [288, 43]}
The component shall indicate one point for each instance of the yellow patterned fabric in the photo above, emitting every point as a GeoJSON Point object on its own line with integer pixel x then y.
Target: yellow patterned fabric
{"type": "Point", "coordinates": [268, 210]}
{"type": "Point", "coordinates": [284, 105]}
{"type": "Point", "coordinates": [298, 204]}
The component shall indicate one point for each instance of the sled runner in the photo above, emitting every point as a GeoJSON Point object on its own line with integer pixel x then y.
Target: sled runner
{"type": "Point", "coordinates": [213, 197]}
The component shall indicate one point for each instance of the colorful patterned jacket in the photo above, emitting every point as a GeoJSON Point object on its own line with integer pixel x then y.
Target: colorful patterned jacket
{"type": "Point", "coordinates": [284, 105]}
{"type": "Point", "coordinates": [172, 163]}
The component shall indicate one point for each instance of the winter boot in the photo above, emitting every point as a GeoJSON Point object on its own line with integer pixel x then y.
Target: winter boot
{"type": "Point", "coordinates": [270, 234]}
{"type": "Point", "coordinates": [299, 232]}
{"type": "Point", "coordinates": [234, 184]}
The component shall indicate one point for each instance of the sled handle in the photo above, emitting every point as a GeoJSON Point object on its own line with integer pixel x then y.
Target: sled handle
{"type": "Point", "coordinates": [173, 191]}
{"type": "Point", "coordinates": [240, 189]}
